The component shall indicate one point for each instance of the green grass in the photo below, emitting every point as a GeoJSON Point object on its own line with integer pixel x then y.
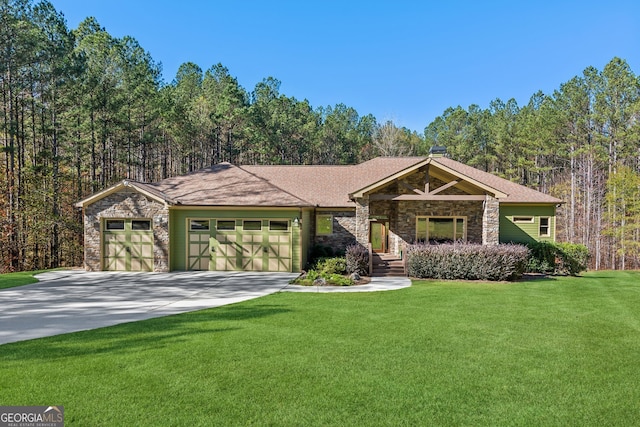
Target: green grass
{"type": "Point", "coordinates": [560, 351]}
{"type": "Point", "coordinates": [11, 280]}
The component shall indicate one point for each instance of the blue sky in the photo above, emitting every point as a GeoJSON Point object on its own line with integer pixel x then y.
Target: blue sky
{"type": "Point", "coordinates": [405, 61]}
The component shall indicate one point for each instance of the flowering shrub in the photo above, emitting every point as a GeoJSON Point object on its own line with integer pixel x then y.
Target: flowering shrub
{"type": "Point", "coordinates": [467, 261]}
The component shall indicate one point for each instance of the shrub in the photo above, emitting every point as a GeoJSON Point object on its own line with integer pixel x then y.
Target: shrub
{"type": "Point", "coordinates": [327, 266]}
{"type": "Point", "coordinates": [542, 257]}
{"type": "Point", "coordinates": [338, 280]}
{"type": "Point", "coordinates": [574, 258]}
{"type": "Point", "coordinates": [557, 258]}
{"type": "Point", "coordinates": [335, 279]}
{"type": "Point", "coordinates": [357, 257]}
{"type": "Point", "coordinates": [467, 261]}
{"type": "Point", "coordinates": [321, 251]}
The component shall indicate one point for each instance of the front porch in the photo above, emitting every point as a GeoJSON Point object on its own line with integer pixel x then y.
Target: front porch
{"type": "Point", "coordinates": [425, 205]}
{"type": "Point", "coordinates": [390, 226]}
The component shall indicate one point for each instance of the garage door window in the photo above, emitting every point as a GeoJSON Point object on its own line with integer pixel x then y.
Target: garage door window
{"type": "Point", "coordinates": [115, 224]}
{"type": "Point", "coordinates": [199, 225]}
{"type": "Point", "coordinates": [226, 225]}
{"type": "Point", "coordinates": [141, 225]}
{"type": "Point", "coordinates": [278, 225]}
{"type": "Point", "coordinates": [252, 225]}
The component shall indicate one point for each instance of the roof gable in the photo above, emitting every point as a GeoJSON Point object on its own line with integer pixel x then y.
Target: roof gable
{"type": "Point", "coordinates": [146, 189]}
{"type": "Point", "coordinates": [514, 192]}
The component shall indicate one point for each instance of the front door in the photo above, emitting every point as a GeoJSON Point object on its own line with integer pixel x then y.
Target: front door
{"type": "Point", "coordinates": [378, 236]}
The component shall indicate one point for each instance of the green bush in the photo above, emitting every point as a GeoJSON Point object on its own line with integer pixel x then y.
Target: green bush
{"type": "Point", "coordinates": [557, 258]}
{"type": "Point", "coordinates": [332, 270]}
{"type": "Point", "coordinates": [574, 258]}
{"type": "Point", "coordinates": [338, 280]}
{"type": "Point", "coordinates": [333, 279]}
{"type": "Point", "coordinates": [312, 275]}
{"type": "Point", "coordinates": [542, 257]}
{"type": "Point", "coordinates": [357, 257]}
{"type": "Point", "coordinates": [467, 261]}
{"type": "Point", "coordinates": [327, 266]}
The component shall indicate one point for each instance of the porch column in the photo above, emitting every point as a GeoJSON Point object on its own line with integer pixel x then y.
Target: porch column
{"type": "Point", "coordinates": [362, 220]}
{"type": "Point", "coordinates": [491, 221]}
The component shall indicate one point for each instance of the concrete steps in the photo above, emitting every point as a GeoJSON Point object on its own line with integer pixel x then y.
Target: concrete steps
{"type": "Point", "coordinates": [387, 265]}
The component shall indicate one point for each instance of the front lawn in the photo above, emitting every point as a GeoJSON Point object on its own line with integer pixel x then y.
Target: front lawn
{"type": "Point", "coordinates": [560, 351]}
{"type": "Point", "coordinates": [10, 280]}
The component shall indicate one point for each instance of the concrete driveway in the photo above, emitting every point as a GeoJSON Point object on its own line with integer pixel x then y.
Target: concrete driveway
{"type": "Point", "coordinates": [70, 301]}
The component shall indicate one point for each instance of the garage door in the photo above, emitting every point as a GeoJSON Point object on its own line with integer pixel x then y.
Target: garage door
{"type": "Point", "coordinates": [127, 245]}
{"type": "Point", "coordinates": [240, 244]}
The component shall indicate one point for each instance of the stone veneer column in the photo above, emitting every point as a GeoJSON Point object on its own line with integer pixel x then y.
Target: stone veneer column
{"type": "Point", "coordinates": [491, 221]}
{"type": "Point", "coordinates": [362, 220]}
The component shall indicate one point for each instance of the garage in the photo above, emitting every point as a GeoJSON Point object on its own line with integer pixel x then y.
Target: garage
{"type": "Point", "coordinates": [127, 244]}
{"type": "Point", "coordinates": [239, 244]}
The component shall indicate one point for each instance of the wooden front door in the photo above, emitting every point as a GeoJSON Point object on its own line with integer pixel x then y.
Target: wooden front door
{"type": "Point", "coordinates": [378, 236]}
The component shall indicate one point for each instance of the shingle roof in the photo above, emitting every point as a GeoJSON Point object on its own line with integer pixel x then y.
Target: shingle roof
{"type": "Point", "coordinates": [330, 186]}
{"type": "Point", "coordinates": [300, 186]}
{"type": "Point", "coordinates": [225, 185]}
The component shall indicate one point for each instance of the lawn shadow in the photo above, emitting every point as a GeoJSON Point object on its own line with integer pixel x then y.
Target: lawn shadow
{"type": "Point", "coordinates": [534, 277]}
{"type": "Point", "coordinates": [131, 337]}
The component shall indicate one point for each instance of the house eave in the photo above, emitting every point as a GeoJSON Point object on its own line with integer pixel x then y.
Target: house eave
{"type": "Point", "coordinates": [118, 187]}
{"type": "Point", "coordinates": [428, 161]}
{"type": "Point", "coordinates": [398, 175]}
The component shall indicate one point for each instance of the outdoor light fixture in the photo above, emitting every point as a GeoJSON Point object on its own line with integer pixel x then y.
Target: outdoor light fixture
{"type": "Point", "coordinates": [296, 222]}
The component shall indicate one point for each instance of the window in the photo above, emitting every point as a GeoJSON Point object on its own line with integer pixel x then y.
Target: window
{"type": "Point", "coordinates": [226, 225]}
{"type": "Point", "coordinates": [252, 225]}
{"type": "Point", "coordinates": [141, 225]}
{"type": "Point", "coordinates": [324, 224]}
{"type": "Point", "coordinates": [115, 224]}
{"type": "Point", "coordinates": [199, 225]}
{"type": "Point", "coordinates": [440, 229]}
{"type": "Point", "coordinates": [523, 219]}
{"type": "Point", "coordinates": [278, 225]}
{"type": "Point", "coordinates": [545, 228]}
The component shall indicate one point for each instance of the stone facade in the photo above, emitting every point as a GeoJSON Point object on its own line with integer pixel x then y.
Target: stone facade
{"type": "Point", "coordinates": [407, 211]}
{"type": "Point", "coordinates": [122, 205]}
{"type": "Point", "coordinates": [362, 221]}
{"type": "Point", "coordinates": [491, 221]}
{"type": "Point", "coordinates": [344, 230]}
{"type": "Point", "coordinates": [401, 215]}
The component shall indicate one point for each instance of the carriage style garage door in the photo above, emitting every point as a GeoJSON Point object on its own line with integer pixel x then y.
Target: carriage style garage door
{"type": "Point", "coordinates": [127, 245]}
{"type": "Point", "coordinates": [239, 244]}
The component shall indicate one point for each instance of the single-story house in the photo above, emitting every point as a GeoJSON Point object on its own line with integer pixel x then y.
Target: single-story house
{"type": "Point", "coordinates": [268, 218]}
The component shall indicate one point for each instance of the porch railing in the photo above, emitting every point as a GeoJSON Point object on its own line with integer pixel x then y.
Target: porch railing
{"type": "Point", "coordinates": [370, 260]}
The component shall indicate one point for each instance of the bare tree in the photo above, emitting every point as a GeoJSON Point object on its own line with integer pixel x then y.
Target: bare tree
{"type": "Point", "coordinates": [388, 140]}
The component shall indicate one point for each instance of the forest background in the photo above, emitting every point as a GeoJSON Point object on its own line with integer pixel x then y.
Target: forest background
{"type": "Point", "coordinates": [82, 110]}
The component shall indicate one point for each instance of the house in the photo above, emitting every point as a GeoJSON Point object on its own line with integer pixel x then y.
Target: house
{"type": "Point", "coordinates": [268, 218]}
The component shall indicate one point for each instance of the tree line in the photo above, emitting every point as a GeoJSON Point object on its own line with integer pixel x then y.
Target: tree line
{"type": "Point", "coordinates": [581, 144]}
{"type": "Point", "coordinates": [82, 110]}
